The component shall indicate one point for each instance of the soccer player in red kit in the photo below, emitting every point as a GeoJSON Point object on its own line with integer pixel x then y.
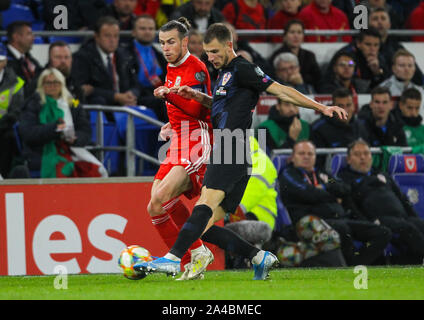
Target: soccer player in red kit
{"type": "Point", "coordinates": [185, 164]}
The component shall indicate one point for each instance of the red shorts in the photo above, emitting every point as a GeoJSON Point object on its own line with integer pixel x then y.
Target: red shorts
{"type": "Point", "coordinates": [195, 174]}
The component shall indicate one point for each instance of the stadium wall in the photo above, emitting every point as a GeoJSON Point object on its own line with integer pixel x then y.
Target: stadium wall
{"type": "Point", "coordinates": [81, 224]}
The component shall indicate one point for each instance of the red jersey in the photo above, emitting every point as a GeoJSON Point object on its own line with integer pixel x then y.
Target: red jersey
{"type": "Point", "coordinates": [313, 19]}
{"type": "Point", "coordinates": [191, 132]}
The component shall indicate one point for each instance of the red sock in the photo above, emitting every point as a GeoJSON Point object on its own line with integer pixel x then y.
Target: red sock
{"type": "Point", "coordinates": [166, 228]}
{"type": "Point", "coordinates": [179, 214]}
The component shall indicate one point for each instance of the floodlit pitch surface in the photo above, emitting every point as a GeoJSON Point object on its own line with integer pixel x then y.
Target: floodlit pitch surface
{"type": "Point", "coordinates": [381, 283]}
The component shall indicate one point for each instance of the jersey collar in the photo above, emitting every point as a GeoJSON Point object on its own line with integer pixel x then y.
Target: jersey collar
{"type": "Point", "coordinates": [181, 61]}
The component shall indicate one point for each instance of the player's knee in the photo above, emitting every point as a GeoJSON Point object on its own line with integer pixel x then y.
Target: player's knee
{"type": "Point", "coordinates": [159, 198]}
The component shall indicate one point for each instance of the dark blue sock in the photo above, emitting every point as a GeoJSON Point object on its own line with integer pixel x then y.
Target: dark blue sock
{"type": "Point", "coordinates": [192, 229]}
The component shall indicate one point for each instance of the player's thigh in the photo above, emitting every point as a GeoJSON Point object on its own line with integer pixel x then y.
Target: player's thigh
{"type": "Point", "coordinates": [173, 184]}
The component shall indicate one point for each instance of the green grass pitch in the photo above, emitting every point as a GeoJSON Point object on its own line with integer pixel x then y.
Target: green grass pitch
{"type": "Point", "coordinates": [314, 284]}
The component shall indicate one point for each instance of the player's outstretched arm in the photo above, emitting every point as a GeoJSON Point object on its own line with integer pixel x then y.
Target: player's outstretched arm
{"type": "Point", "coordinates": [189, 93]}
{"type": "Point", "coordinates": [291, 95]}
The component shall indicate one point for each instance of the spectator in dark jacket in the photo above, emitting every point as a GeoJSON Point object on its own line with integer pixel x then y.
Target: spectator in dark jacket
{"type": "Point", "coordinates": [306, 190]}
{"type": "Point", "coordinates": [200, 13]}
{"type": "Point", "coordinates": [122, 10]}
{"type": "Point", "coordinates": [382, 126]}
{"type": "Point", "coordinates": [370, 63]}
{"type": "Point", "coordinates": [380, 19]}
{"type": "Point", "coordinates": [82, 14]}
{"type": "Point", "coordinates": [335, 133]}
{"type": "Point", "coordinates": [341, 74]}
{"type": "Point", "coordinates": [103, 70]}
{"type": "Point", "coordinates": [294, 34]}
{"type": "Point", "coordinates": [20, 40]}
{"type": "Point", "coordinates": [60, 57]}
{"type": "Point", "coordinates": [380, 199]}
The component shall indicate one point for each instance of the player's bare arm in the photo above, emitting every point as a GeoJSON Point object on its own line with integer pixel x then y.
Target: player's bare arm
{"type": "Point", "coordinates": [189, 93]}
{"type": "Point", "coordinates": [291, 95]}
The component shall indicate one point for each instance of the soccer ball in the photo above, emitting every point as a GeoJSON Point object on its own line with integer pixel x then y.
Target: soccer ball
{"type": "Point", "coordinates": [308, 226]}
{"type": "Point", "coordinates": [130, 256]}
{"type": "Point", "coordinates": [289, 254]}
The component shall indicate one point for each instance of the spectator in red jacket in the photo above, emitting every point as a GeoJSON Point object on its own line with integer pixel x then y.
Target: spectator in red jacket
{"type": "Point", "coordinates": [289, 10]}
{"type": "Point", "coordinates": [246, 14]}
{"type": "Point", "coordinates": [150, 7]}
{"type": "Point", "coordinates": [322, 15]}
{"type": "Point", "coordinates": [416, 21]}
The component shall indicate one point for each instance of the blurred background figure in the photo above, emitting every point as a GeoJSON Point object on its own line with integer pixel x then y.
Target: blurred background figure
{"type": "Point", "coordinates": [200, 13]}
{"type": "Point", "coordinates": [341, 74]}
{"type": "Point", "coordinates": [102, 69]}
{"type": "Point", "coordinates": [148, 64]}
{"type": "Point", "coordinates": [321, 14]}
{"type": "Point", "coordinates": [294, 34]}
{"type": "Point", "coordinates": [287, 72]}
{"type": "Point", "coordinates": [195, 43]}
{"type": "Point", "coordinates": [54, 129]}
{"type": "Point", "coordinates": [11, 101]}
{"type": "Point", "coordinates": [287, 10]}
{"type": "Point", "coordinates": [246, 14]}
{"type": "Point", "coordinates": [19, 43]}
{"type": "Point", "coordinates": [284, 127]}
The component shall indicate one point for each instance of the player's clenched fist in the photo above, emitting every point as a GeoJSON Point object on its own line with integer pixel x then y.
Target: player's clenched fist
{"type": "Point", "coordinates": [161, 92]}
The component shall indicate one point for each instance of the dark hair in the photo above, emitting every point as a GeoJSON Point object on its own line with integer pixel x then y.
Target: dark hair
{"type": "Point", "coordinates": [379, 9]}
{"type": "Point", "coordinates": [15, 27]}
{"type": "Point", "coordinates": [380, 90]}
{"type": "Point", "coordinates": [410, 93]}
{"type": "Point", "coordinates": [355, 142]}
{"type": "Point", "coordinates": [292, 22]}
{"type": "Point", "coordinates": [218, 31]}
{"type": "Point", "coordinates": [341, 93]}
{"type": "Point", "coordinates": [106, 20]}
{"type": "Point", "coordinates": [143, 16]}
{"type": "Point", "coordinates": [371, 32]}
{"type": "Point", "coordinates": [303, 141]}
{"type": "Point", "coordinates": [182, 25]}
{"type": "Point", "coordinates": [59, 43]}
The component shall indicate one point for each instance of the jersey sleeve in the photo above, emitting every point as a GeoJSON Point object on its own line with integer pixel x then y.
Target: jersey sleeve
{"type": "Point", "coordinates": [251, 76]}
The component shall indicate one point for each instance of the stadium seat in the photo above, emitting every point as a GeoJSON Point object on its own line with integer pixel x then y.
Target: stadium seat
{"type": "Point", "coordinates": [283, 218]}
{"type": "Point", "coordinates": [280, 162]}
{"type": "Point", "coordinates": [19, 145]}
{"type": "Point", "coordinates": [66, 39]}
{"type": "Point", "coordinates": [110, 138]}
{"type": "Point", "coordinates": [146, 136]}
{"type": "Point", "coordinates": [17, 12]}
{"type": "Point", "coordinates": [406, 163]}
{"type": "Point", "coordinates": [338, 162]}
{"type": "Point", "coordinates": [408, 171]}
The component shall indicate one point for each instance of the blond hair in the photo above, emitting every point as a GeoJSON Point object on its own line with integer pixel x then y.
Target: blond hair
{"type": "Point", "coordinates": [64, 94]}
